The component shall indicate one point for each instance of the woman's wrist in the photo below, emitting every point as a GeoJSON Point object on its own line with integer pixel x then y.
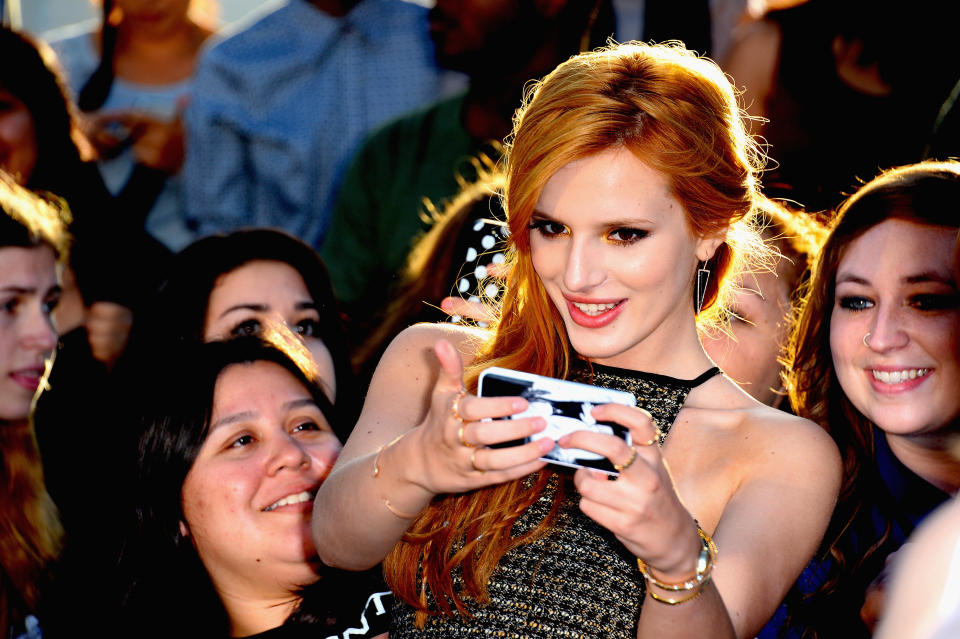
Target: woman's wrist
{"type": "Point", "coordinates": [403, 497]}
{"type": "Point", "coordinates": [691, 573]}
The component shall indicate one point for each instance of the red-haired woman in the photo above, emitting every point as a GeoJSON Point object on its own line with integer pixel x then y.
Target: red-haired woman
{"type": "Point", "coordinates": [629, 175]}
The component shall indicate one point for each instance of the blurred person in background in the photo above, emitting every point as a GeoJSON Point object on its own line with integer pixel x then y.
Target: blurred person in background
{"type": "Point", "coordinates": [132, 77]}
{"type": "Point", "coordinates": [748, 349]}
{"type": "Point", "coordinates": [414, 166]}
{"type": "Point", "coordinates": [848, 88]}
{"type": "Point", "coordinates": [280, 105]}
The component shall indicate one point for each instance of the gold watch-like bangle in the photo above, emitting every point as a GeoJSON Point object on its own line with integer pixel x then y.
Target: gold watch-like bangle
{"type": "Point", "coordinates": [706, 560]}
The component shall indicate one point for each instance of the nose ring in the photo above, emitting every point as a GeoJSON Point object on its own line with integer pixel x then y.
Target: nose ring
{"type": "Point", "coordinates": [866, 336]}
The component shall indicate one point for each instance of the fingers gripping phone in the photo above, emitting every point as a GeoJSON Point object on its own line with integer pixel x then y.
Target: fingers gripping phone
{"type": "Point", "coordinates": [565, 406]}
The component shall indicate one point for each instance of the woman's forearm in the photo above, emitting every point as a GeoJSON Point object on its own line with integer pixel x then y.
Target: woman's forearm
{"type": "Point", "coordinates": [359, 517]}
{"type": "Point", "coordinates": [703, 616]}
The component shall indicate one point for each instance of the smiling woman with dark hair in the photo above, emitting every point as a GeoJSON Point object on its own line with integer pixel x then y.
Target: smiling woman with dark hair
{"type": "Point", "coordinates": [234, 448]}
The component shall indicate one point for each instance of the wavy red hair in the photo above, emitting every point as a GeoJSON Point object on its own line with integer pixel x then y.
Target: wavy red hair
{"type": "Point", "coordinates": [679, 114]}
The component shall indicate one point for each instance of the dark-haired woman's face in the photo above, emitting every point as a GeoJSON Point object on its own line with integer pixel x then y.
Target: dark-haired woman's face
{"type": "Point", "coordinates": [18, 139]}
{"type": "Point", "coordinates": [248, 497]}
{"type": "Point", "coordinates": [895, 327]}
{"type": "Point", "coordinates": [261, 291]}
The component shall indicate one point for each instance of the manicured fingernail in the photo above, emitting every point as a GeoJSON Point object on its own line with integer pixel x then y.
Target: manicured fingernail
{"type": "Point", "coordinates": [546, 444]}
{"type": "Point", "coordinates": [539, 423]}
{"type": "Point", "coordinates": [563, 440]}
{"type": "Point", "coordinates": [446, 304]}
{"type": "Point", "coordinates": [518, 404]}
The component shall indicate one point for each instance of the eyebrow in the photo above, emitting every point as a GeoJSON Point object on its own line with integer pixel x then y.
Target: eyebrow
{"type": "Point", "coordinates": [930, 276]}
{"type": "Point", "coordinates": [263, 308]}
{"type": "Point", "coordinates": [614, 222]}
{"type": "Point", "coordinates": [248, 414]}
{"type": "Point", "coordinates": [919, 278]}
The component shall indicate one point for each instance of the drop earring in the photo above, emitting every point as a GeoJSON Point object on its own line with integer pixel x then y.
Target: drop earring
{"type": "Point", "coordinates": [703, 277]}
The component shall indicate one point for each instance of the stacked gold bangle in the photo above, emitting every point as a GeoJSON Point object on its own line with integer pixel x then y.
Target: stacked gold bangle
{"type": "Point", "coordinates": [706, 560]}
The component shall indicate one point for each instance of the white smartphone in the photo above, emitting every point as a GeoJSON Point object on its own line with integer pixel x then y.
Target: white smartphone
{"type": "Point", "coordinates": [565, 406]}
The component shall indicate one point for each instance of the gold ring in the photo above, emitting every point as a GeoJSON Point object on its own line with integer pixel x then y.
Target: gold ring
{"type": "Point", "coordinates": [473, 462]}
{"type": "Point", "coordinates": [649, 442]}
{"type": "Point", "coordinates": [455, 407]}
{"type": "Point", "coordinates": [463, 440]}
{"type": "Point", "coordinates": [625, 465]}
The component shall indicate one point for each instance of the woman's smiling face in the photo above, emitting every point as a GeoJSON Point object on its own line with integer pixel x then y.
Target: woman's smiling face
{"type": "Point", "coordinates": [248, 497]}
{"type": "Point", "coordinates": [895, 327]}
{"type": "Point", "coordinates": [616, 255]}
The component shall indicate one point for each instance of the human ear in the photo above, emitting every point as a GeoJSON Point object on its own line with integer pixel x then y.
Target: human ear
{"type": "Point", "coordinates": [708, 245]}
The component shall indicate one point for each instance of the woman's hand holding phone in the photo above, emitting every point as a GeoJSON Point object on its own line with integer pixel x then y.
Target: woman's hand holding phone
{"type": "Point", "coordinates": [641, 508]}
{"type": "Point", "coordinates": [452, 441]}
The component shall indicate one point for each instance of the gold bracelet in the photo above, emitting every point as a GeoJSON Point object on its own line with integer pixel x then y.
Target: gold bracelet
{"type": "Point", "coordinates": [675, 602]}
{"type": "Point", "coordinates": [376, 473]}
{"type": "Point", "coordinates": [706, 560]}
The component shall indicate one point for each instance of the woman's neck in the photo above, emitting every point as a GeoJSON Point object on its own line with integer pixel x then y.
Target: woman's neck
{"type": "Point", "coordinates": [157, 56]}
{"type": "Point", "coordinates": [672, 349]}
{"type": "Point", "coordinates": [250, 615]}
{"type": "Point", "coordinates": [931, 457]}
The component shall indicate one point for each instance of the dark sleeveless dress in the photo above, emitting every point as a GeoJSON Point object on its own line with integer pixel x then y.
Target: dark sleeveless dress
{"type": "Point", "coordinates": [578, 580]}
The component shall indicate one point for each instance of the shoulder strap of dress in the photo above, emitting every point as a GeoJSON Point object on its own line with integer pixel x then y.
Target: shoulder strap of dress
{"type": "Point", "coordinates": [707, 374]}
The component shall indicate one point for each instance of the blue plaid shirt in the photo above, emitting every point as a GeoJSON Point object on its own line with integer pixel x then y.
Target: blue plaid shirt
{"type": "Point", "coordinates": [279, 107]}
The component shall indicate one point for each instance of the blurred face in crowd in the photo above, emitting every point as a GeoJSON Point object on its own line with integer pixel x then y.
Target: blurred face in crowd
{"type": "Point", "coordinates": [758, 330]}
{"type": "Point", "coordinates": [472, 34]}
{"type": "Point", "coordinates": [262, 290]}
{"type": "Point", "coordinates": [154, 14]}
{"type": "Point", "coordinates": [18, 140]}
{"type": "Point", "coordinates": [28, 294]}
{"type": "Point", "coordinates": [895, 327]}
{"type": "Point", "coordinates": [248, 497]}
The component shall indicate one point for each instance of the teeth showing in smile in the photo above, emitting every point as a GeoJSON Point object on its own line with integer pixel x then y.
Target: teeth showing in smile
{"type": "Point", "coordinates": [593, 309]}
{"type": "Point", "coordinates": [298, 498]}
{"type": "Point", "coordinates": [895, 377]}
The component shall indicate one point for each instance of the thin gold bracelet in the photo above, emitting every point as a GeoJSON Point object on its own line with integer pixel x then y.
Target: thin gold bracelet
{"type": "Point", "coordinates": [706, 560]}
{"type": "Point", "coordinates": [676, 602]}
{"type": "Point", "coordinates": [376, 473]}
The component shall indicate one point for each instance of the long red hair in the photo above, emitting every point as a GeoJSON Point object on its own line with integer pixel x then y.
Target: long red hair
{"type": "Point", "coordinates": [679, 114]}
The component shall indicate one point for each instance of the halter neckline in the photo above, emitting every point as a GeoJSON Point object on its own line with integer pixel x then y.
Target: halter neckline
{"type": "Point", "coordinates": [689, 384]}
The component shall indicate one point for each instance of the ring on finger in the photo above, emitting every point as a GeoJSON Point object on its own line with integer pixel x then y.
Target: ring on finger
{"type": "Point", "coordinates": [473, 462]}
{"type": "Point", "coordinates": [649, 442]}
{"type": "Point", "coordinates": [627, 464]}
{"type": "Point", "coordinates": [463, 439]}
{"type": "Point", "coordinates": [455, 407]}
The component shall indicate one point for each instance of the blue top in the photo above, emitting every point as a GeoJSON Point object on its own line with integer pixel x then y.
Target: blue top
{"type": "Point", "coordinates": [905, 502]}
{"type": "Point", "coordinates": [280, 106]}
{"type": "Point", "coordinates": [79, 57]}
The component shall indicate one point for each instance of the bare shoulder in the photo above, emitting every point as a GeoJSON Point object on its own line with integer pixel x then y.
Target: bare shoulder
{"type": "Point", "coordinates": [399, 393]}
{"type": "Point", "coordinates": [420, 337]}
{"type": "Point", "coordinates": [783, 435]}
